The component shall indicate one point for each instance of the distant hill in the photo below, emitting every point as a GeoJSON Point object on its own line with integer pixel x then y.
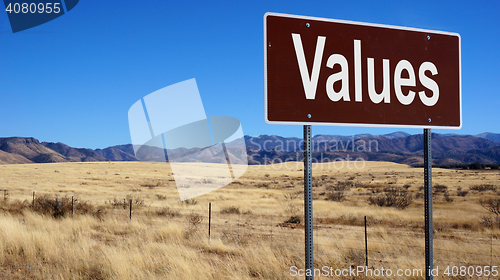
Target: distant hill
{"type": "Point", "coordinates": [440, 144]}
{"type": "Point", "coordinates": [8, 158]}
{"type": "Point", "coordinates": [395, 135]}
{"type": "Point", "coordinates": [117, 153]}
{"type": "Point", "coordinates": [446, 150]}
{"type": "Point", "coordinates": [30, 149]}
{"type": "Point", "coordinates": [400, 147]}
{"type": "Point", "coordinates": [495, 137]}
{"type": "Point", "coordinates": [490, 153]}
{"type": "Point", "coordinates": [73, 154]}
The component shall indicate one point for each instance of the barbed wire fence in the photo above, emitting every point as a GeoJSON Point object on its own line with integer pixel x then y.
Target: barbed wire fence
{"type": "Point", "coordinates": [372, 243]}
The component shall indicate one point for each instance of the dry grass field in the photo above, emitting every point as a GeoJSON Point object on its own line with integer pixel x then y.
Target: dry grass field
{"type": "Point", "coordinates": [256, 230]}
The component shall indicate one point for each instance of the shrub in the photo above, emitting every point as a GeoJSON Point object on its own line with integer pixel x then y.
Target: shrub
{"type": "Point", "coordinates": [167, 212]}
{"type": "Point", "coordinates": [190, 201]}
{"type": "Point", "coordinates": [290, 206]}
{"type": "Point", "coordinates": [342, 186]}
{"type": "Point", "coordinates": [345, 185]}
{"type": "Point", "coordinates": [125, 203]}
{"type": "Point", "coordinates": [14, 206]}
{"type": "Point", "coordinates": [295, 219]}
{"type": "Point", "coordinates": [447, 197]}
{"type": "Point", "coordinates": [350, 220]}
{"type": "Point", "coordinates": [338, 196]}
{"type": "Point", "coordinates": [440, 188]}
{"type": "Point", "coordinates": [161, 196]}
{"type": "Point", "coordinates": [230, 210]}
{"type": "Point", "coordinates": [115, 203]}
{"type": "Point", "coordinates": [137, 201]}
{"type": "Point", "coordinates": [264, 185]}
{"type": "Point", "coordinates": [354, 257]}
{"type": "Point", "coordinates": [492, 205]}
{"type": "Point", "coordinates": [149, 186]}
{"type": "Point", "coordinates": [490, 222]}
{"type": "Point", "coordinates": [51, 206]}
{"type": "Point", "coordinates": [462, 193]}
{"type": "Point", "coordinates": [392, 197]}
{"type": "Point", "coordinates": [60, 207]}
{"type": "Point", "coordinates": [194, 220]}
{"type": "Point", "coordinates": [475, 166]}
{"type": "Point", "coordinates": [483, 187]}
{"type": "Point", "coordinates": [82, 207]}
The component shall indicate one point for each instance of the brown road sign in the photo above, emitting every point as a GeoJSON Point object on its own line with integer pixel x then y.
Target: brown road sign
{"type": "Point", "coordinates": [331, 72]}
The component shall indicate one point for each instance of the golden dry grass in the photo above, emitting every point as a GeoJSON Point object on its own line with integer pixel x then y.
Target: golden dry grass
{"type": "Point", "coordinates": [164, 241]}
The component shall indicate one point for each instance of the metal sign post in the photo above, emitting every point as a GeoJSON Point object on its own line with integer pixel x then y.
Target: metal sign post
{"type": "Point", "coordinates": [308, 207]}
{"type": "Point", "coordinates": [428, 203]}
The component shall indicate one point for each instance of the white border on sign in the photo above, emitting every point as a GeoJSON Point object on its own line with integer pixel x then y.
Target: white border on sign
{"type": "Point", "coordinates": [364, 24]}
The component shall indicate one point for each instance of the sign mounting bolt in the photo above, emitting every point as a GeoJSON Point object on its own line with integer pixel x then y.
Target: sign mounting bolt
{"type": "Point", "coordinates": [429, 119]}
{"type": "Point", "coordinates": [308, 116]}
{"type": "Point", "coordinates": [307, 24]}
{"type": "Point", "coordinates": [428, 37]}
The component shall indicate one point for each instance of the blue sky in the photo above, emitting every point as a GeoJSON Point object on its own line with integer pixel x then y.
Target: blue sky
{"type": "Point", "coordinates": [73, 79]}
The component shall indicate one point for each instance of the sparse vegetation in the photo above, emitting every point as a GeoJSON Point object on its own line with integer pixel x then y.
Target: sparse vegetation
{"type": "Point", "coordinates": [447, 197]}
{"type": "Point", "coordinates": [168, 212]}
{"type": "Point", "coordinates": [190, 201]}
{"type": "Point", "coordinates": [490, 221]}
{"type": "Point", "coordinates": [438, 188]}
{"type": "Point", "coordinates": [483, 187]}
{"type": "Point", "coordinates": [355, 257]}
{"type": "Point", "coordinates": [125, 202]}
{"type": "Point", "coordinates": [492, 205]}
{"type": "Point", "coordinates": [462, 193]}
{"type": "Point", "coordinates": [194, 220]}
{"type": "Point", "coordinates": [230, 210]}
{"type": "Point", "coordinates": [161, 196]}
{"type": "Point", "coordinates": [392, 197]}
{"type": "Point", "coordinates": [56, 207]}
{"type": "Point", "coordinates": [295, 219]}
{"type": "Point", "coordinates": [168, 240]}
{"type": "Point", "coordinates": [290, 206]}
{"type": "Point", "coordinates": [344, 185]}
{"type": "Point", "coordinates": [338, 196]}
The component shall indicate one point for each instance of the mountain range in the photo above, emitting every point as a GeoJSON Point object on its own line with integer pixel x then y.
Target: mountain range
{"type": "Point", "coordinates": [400, 147]}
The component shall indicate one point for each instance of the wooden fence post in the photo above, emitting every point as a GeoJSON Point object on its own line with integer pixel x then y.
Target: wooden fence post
{"type": "Point", "coordinates": [209, 218]}
{"type": "Point", "coordinates": [366, 245]}
{"type": "Point", "coordinates": [131, 209]}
